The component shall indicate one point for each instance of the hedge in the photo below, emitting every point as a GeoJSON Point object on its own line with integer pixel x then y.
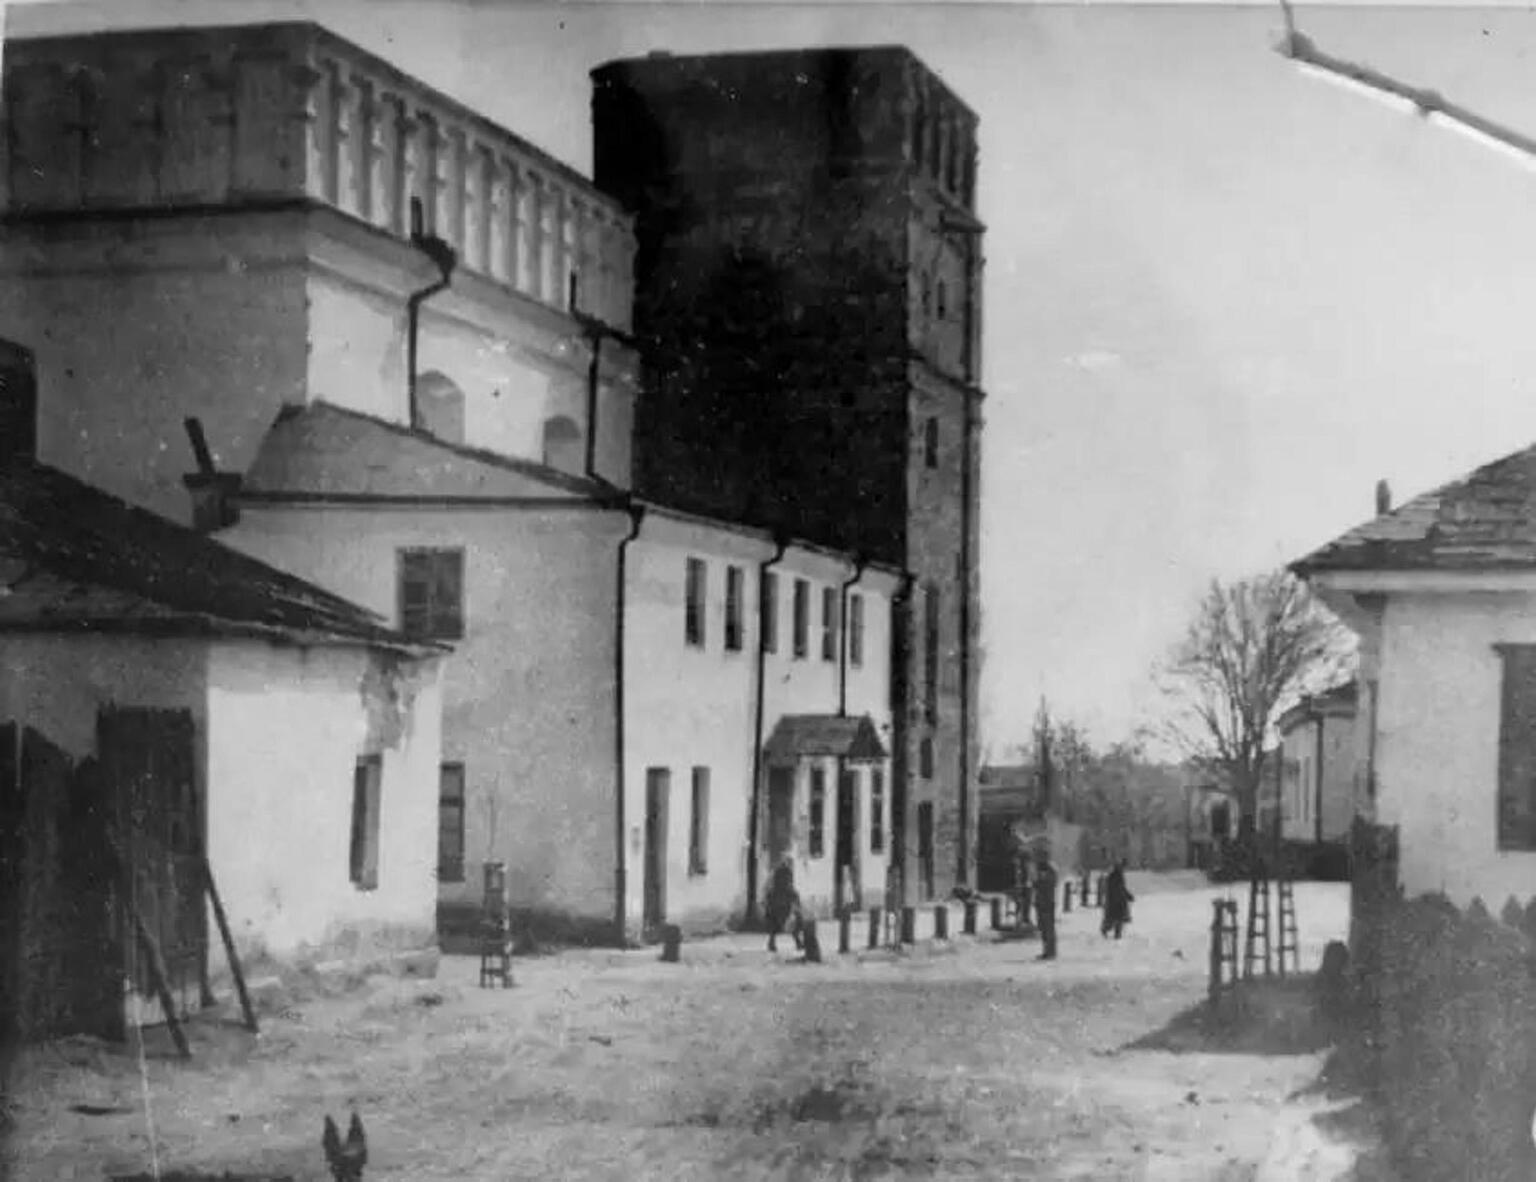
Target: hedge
{"type": "Point", "coordinates": [1452, 1047]}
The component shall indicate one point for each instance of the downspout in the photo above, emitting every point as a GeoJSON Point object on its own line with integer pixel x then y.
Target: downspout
{"type": "Point", "coordinates": [842, 656]}
{"type": "Point", "coordinates": [444, 258]}
{"type": "Point", "coordinates": [1317, 789]}
{"type": "Point", "coordinates": [901, 761]}
{"type": "Point", "coordinates": [966, 590]}
{"type": "Point", "coordinates": [780, 544]}
{"type": "Point", "coordinates": [636, 512]}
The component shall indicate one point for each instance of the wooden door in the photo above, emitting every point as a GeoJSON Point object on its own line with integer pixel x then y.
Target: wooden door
{"type": "Point", "coordinates": [781, 813]}
{"type": "Point", "coordinates": [147, 759]}
{"type": "Point", "coordinates": [658, 787]}
{"type": "Point", "coordinates": [846, 888]}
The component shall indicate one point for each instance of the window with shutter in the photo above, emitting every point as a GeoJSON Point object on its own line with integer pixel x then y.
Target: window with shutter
{"type": "Point", "coordinates": [1517, 749]}
{"type": "Point", "coordinates": [432, 593]}
{"type": "Point", "coordinates": [817, 837]}
{"type": "Point", "coordinates": [450, 823]}
{"type": "Point", "coordinates": [698, 832]}
{"type": "Point", "coordinates": [693, 602]}
{"type": "Point", "coordinates": [733, 608]}
{"type": "Point", "coordinates": [768, 609]}
{"type": "Point", "coordinates": [856, 630]}
{"type": "Point", "coordinates": [802, 617]}
{"type": "Point", "coordinates": [829, 623]}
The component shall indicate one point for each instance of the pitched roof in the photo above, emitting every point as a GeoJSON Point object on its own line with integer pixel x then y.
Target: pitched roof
{"type": "Point", "coordinates": [800, 735]}
{"type": "Point", "coordinates": [320, 451]}
{"type": "Point", "coordinates": [77, 559]}
{"type": "Point", "coordinates": [1484, 521]}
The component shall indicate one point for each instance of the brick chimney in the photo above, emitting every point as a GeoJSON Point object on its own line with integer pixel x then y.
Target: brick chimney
{"type": "Point", "coordinates": [1383, 498]}
{"type": "Point", "coordinates": [213, 492]}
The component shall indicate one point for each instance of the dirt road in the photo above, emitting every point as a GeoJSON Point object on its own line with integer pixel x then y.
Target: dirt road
{"type": "Point", "coordinates": [965, 1060]}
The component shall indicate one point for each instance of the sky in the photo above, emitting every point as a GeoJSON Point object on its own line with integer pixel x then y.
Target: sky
{"type": "Point", "coordinates": [1223, 297]}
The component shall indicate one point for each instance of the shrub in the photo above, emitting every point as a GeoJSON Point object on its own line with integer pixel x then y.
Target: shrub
{"type": "Point", "coordinates": [1454, 1065]}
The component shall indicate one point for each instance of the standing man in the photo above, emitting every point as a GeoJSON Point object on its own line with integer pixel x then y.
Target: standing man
{"type": "Point", "coordinates": [1117, 901]}
{"type": "Point", "coordinates": [1020, 884]}
{"type": "Point", "coordinates": [1045, 904]}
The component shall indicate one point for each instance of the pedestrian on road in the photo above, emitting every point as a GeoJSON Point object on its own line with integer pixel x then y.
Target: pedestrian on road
{"type": "Point", "coordinates": [1045, 905]}
{"type": "Point", "coordinates": [783, 904]}
{"type": "Point", "coordinates": [1021, 887]}
{"type": "Point", "coordinates": [1117, 901]}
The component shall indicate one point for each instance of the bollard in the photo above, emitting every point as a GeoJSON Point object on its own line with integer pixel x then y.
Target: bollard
{"type": "Point", "coordinates": [940, 922]}
{"type": "Point", "coordinates": [1085, 893]}
{"type": "Point", "coordinates": [970, 917]}
{"type": "Point", "coordinates": [1066, 898]}
{"type": "Point", "coordinates": [997, 913]}
{"type": "Point", "coordinates": [844, 930]}
{"type": "Point", "coordinates": [909, 925]}
{"type": "Point", "coordinates": [1098, 893]}
{"type": "Point", "coordinates": [874, 927]}
{"type": "Point", "coordinates": [671, 942]}
{"type": "Point", "coordinates": [812, 942]}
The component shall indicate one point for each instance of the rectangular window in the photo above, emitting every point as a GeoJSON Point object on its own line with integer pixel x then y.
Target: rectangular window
{"type": "Point", "coordinates": [450, 823]}
{"type": "Point", "coordinates": [818, 834]}
{"type": "Point", "coordinates": [877, 810]}
{"type": "Point", "coordinates": [856, 629]}
{"type": "Point", "coordinates": [931, 439]}
{"type": "Point", "coordinates": [698, 828]}
{"type": "Point", "coordinates": [432, 593]}
{"type": "Point", "coordinates": [925, 759]}
{"type": "Point", "coordinates": [802, 617]}
{"type": "Point", "coordinates": [768, 609]}
{"type": "Point", "coordinates": [693, 605]}
{"type": "Point", "coordinates": [829, 623]}
{"type": "Point", "coordinates": [733, 586]}
{"type": "Point", "coordinates": [364, 856]}
{"type": "Point", "coordinates": [931, 652]}
{"type": "Point", "coordinates": [18, 402]}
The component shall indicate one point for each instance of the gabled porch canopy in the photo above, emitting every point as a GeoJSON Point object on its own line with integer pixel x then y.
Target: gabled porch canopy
{"type": "Point", "coordinates": [807, 736]}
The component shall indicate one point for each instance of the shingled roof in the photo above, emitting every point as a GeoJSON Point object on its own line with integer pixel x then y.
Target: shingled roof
{"type": "Point", "coordinates": [800, 735]}
{"type": "Point", "coordinates": [1484, 521]}
{"type": "Point", "coordinates": [76, 559]}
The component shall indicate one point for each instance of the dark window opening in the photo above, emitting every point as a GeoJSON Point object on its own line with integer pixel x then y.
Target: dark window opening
{"type": "Point", "coordinates": [18, 403]}
{"type": "Point", "coordinates": [817, 838]}
{"type": "Point", "coordinates": [768, 611]}
{"type": "Point", "coordinates": [432, 593]}
{"type": "Point", "coordinates": [363, 857]}
{"type": "Point", "coordinates": [733, 608]}
{"type": "Point", "coordinates": [877, 811]}
{"type": "Point", "coordinates": [693, 602]}
{"type": "Point", "coordinates": [829, 623]}
{"type": "Point", "coordinates": [562, 444]}
{"type": "Point", "coordinates": [450, 823]}
{"type": "Point", "coordinates": [931, 442]}
{"type": "Point", "coordinates": [856, 630]}
{"type": "Point", "coordinates": [802, 617]}
{"type": "Point", "coordinates": [698, 825]}
{"type": "Point", "coordinates": [925, 759]}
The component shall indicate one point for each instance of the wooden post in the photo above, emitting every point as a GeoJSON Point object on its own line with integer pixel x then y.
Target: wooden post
{"type": "Point", "coordinates": [158, 978]}
{"type": "Point", "coordinates": [229, 949]}
{"type": "Point", "coordinates": [874, 927]}
{"type": "Point", "coordinates": [909, 925]}
{"type": "Point", "coordinates": [844, 930]}
{"type": "Point", "coordinates": [940, 922]}
{"type": "Point", "coordinates": [970, 917]}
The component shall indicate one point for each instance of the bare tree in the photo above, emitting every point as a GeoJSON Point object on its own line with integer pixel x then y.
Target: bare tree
{"type": "Point", "coordinates": [1253, 647]}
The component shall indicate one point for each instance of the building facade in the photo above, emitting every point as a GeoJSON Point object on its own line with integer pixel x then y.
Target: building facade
{"type": "Point", "coordinates": [808, 284]}
{"type": "Point", "coordinates": [1317, 791]}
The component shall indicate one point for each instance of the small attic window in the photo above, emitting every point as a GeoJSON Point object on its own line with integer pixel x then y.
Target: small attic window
{"type": "Point", "coordinates": [18, 403]}
{"type": "Point", "coordinates": [562, 444]}
{"type": "Point", "coordinates": [440, 407]}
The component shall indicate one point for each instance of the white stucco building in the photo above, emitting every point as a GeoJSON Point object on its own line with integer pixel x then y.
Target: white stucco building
{"type": "Point", "coordinates": [166, 697]}
{"type": "Point", "coordinates": [455, 458]}
{"type": "Point", "coordinates": [1317, 770]}
{"type": "Point", "coordinates": [1442, 593]}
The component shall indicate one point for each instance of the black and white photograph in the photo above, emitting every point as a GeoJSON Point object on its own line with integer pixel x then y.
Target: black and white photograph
{"type": "Point", "coordinates": [833, 591]}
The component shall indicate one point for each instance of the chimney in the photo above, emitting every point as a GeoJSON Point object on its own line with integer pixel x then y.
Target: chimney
{"type": "Point", "coordinates": [1383, 498]}
{"type": "Point", "coordinates": [213, 492]}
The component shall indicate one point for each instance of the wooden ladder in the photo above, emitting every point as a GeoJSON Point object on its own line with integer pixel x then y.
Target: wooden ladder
{"type": "Point", "coordinates": [1223, 947]}
{"type": "Point", "coordinates": [1256, 947]}
{"type": "Point", "coordinates": [1288, 946]}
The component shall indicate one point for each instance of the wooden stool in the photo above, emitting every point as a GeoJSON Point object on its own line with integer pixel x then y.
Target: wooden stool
{"type": "Point", "coordinates": [495, 930]}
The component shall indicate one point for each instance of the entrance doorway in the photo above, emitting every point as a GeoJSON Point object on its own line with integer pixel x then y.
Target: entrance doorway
{"type": "Point", "coordinates": [925, 847]}
{"type": "Point", "coordinates": [846, 886]}
{"type": "Point", "coordinates": [781, 814]}
{"type": "Point", "coordinates": [658, 787]}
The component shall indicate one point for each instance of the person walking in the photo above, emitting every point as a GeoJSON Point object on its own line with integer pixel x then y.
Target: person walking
{"type": "Point", "coordinates": [1045, 905]}
{"type": "Point", "coordinates": [1021, 890]}
{"type": "Point", "coordinates": [783, 904]}
{"type": "Point", "coordinates": [1117, 901]}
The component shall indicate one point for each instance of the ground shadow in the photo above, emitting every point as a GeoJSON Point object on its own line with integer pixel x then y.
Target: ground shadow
{"type": "Point", "coordinates": [1262, 1017]}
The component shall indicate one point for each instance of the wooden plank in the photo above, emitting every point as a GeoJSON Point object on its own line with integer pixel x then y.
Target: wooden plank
{"type": "Point", "coordinates": [229, 949]}
{"type": "Point", "coordinates": [147, 941]}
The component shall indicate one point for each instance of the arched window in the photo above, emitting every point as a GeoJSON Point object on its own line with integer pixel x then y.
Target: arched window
{"type": "Point", "coordinates": [18, 402]}
{"type": "Point", "coordinates": [440, 406]}
{"type": "Point", "coordinates": [562, 444]}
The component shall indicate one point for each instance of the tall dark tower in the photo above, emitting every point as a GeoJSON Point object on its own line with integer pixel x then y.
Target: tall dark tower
{"type": "Point", "coordinates": [808, 297]}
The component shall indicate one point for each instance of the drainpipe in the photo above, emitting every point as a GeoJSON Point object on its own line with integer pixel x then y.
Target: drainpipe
{"type": "Point", "coordinates": [444, 258]}
{"type": "Point", "coordinates": [1318, 787]}
{"type": "Point", "coordinates": [966, 590]}
{"type": "Point", "coordinates": [901, 756]}
{"type": "Point", "coordinates": [620, 876]}
{"type": "Point", "coordinates": [596, 332]}
{"type": "Point", "coordinates": [842, 661]}
{"type": "Point", "coordinates": [780, 545]}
